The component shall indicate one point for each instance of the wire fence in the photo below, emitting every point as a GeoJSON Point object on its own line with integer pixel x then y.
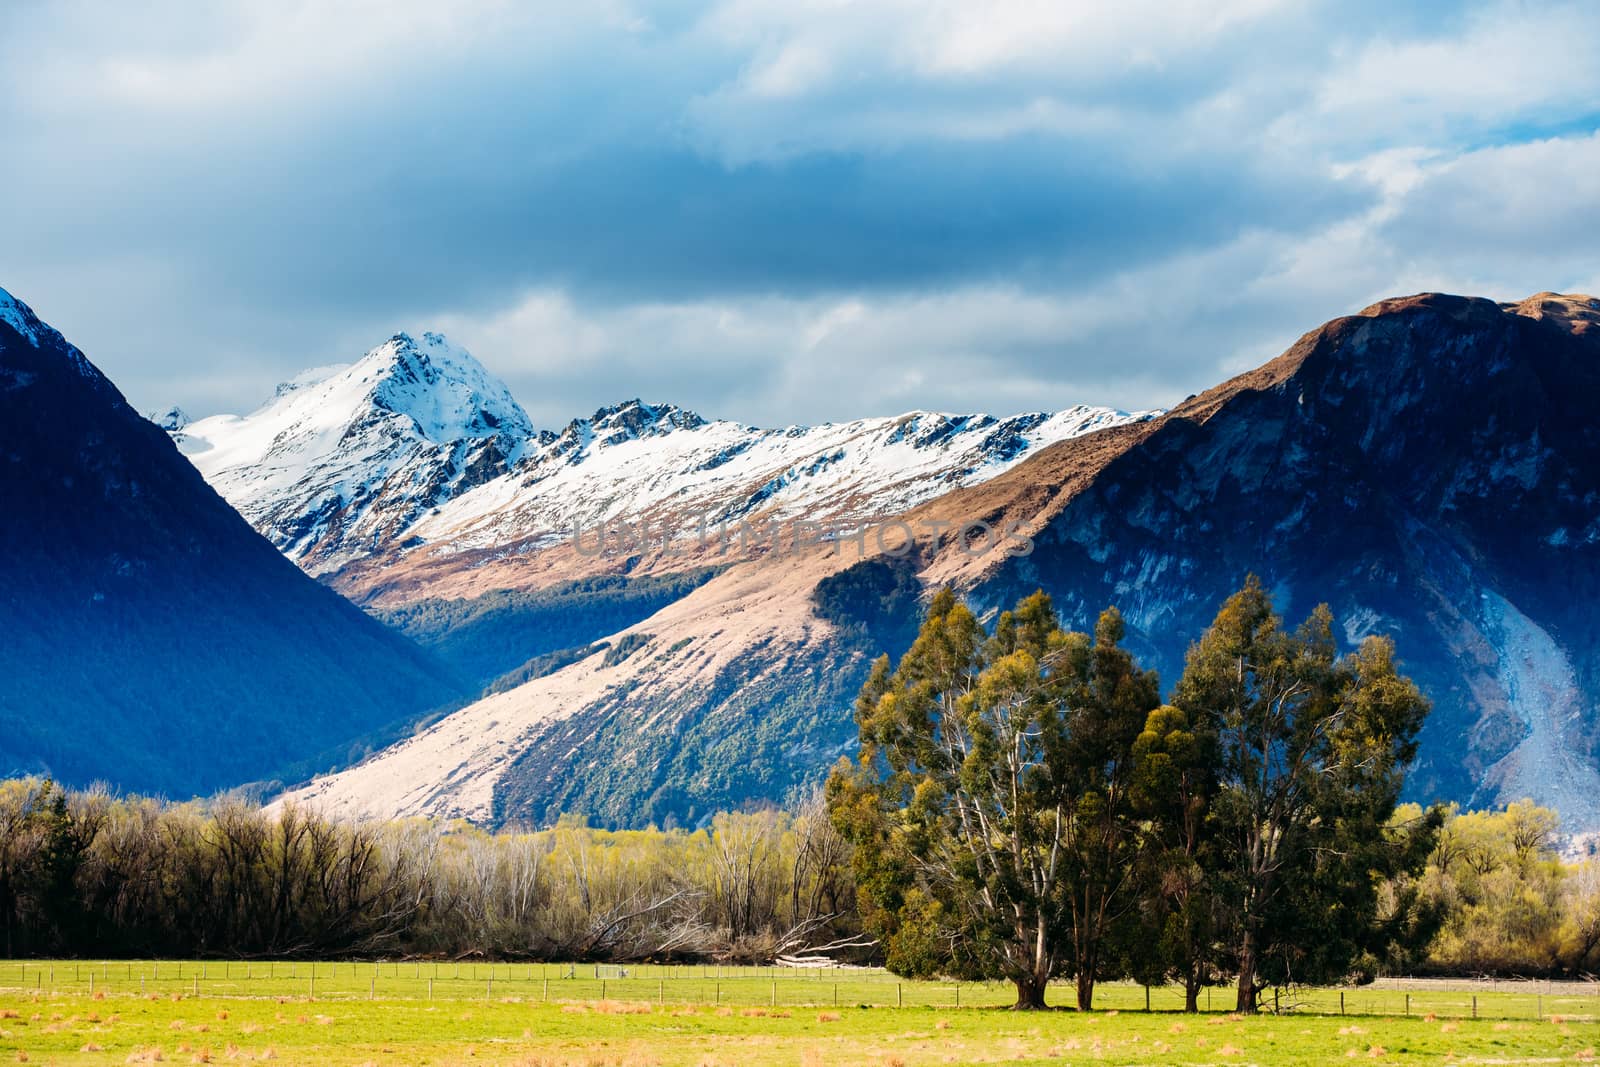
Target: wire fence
{"type": "Point", "coordinates": [752, 987]}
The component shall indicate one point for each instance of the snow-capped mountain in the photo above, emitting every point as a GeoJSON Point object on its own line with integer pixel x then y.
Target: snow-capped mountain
{"type": "Point", "coordinates": [673, 471]}
{"type": "Point", "coordinates": [417, 451]}
{"type": "Point", "coordinates": [342, 459]}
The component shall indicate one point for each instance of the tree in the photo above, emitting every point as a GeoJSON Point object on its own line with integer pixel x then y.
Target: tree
{"type": "Point", "coordinates": [1108, 702]}
{"type": "Point", "coordinates": [1312, 750]}
{"type": "Point", "coordinates": [990, 808]}
{"type": "Point", "coordinates": [1503, 894]}
{"type": "Point", "coordinates": [1175, 785]}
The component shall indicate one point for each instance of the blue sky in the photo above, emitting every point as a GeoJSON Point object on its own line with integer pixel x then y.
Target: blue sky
{"type": "Point", "coordinates": [781, 211]}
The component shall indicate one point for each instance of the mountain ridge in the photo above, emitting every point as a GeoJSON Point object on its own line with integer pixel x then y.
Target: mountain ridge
{"type": "Point", "coordinates": [389, 521]}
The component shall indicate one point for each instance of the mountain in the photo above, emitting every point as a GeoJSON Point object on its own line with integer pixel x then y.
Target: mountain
{"type": "Point", "coordinates": [153, 639]}
{"type": "Point", "coordinates": [391, 507]}
{"type": "Point", "coordinates": [343, 459]}
{"type": "Point", "coordinates": [414, 484]}
{"type": "Point", "coordinates": [1429, 466]}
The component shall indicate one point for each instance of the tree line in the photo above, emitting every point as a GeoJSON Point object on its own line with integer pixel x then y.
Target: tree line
{"type": "Point", "coordinates": [84, 873]}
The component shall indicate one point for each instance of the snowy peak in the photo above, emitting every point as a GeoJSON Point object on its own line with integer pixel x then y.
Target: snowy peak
{"type": "Point", "coordinates": [447, 393]}
{"type": "Point", "coordinates": [427, 392]}
{"type": "Point", "coordinates": [342, 457]}
{"type": "Point", "coordinates": [631, 420]}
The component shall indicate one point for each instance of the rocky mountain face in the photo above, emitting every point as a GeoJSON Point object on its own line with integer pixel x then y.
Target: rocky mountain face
{"type": "Point", "coordinates": [152, 638]}
{"type": "Point", "coordinates": [1429, 467]}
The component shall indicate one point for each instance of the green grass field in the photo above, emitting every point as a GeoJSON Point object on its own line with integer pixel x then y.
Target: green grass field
{"type": "Point", "coordinates": [357, 1013]}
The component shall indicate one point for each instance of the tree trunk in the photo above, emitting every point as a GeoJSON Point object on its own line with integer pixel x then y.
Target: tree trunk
{"type": "Point", "coordinates": [1247, 975]}
{"type": "Point", "coordinates": [1030, 993]}
{"type": "Point", "coordinates": [1086, 989]}
{"type": "Point", "coordinates": [1191, 990]}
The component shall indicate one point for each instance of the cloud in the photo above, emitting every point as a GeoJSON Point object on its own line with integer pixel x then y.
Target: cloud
{"type": "Point", "coordinates": [1507, 64]}
{"type": "Point", "coordinates": [740, 205]}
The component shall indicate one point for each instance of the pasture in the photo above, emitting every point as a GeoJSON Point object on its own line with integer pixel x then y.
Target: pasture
{"type": "Point", "coordinates": [81, 1012]}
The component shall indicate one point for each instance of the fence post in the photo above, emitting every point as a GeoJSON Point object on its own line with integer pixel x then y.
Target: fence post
{"type": "Point", "coordinates": [774, 994]}
{"type": "Point", "coordinates": [430, 989]}
{"type": "Point", "coordinates": [196, 985]}
{"type": "Point", "coordinates": [547, 989]}
{"type": "Point", "coordinates": [1341, 1002]}
{"type": "Point", "coordinates": [488, 988]}
{"type": "Point", "coordinates": [1147, 998]}
{"type": "Point", "coordinates": [958, 994]}
{"type": "Point", "coordinates": [1275, 1000]}
{"type": "Point", "coordinates": [1408, 1003]}
{"type": "Point", "coordinates": [372, 988]}
{"type": "Point", "coordinates": [1474, 1005]}
{"type": "Point", "coordinates": [602, 989]}
{"type": "Point", "coordinates": [899, 995]}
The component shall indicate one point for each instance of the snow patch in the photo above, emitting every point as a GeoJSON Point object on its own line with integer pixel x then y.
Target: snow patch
{"type": "Point", "coordinates": [1361, 623]}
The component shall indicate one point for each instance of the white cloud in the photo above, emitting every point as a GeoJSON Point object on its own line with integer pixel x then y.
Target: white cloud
{"type": "Point", "coordinates": [1510, 61]}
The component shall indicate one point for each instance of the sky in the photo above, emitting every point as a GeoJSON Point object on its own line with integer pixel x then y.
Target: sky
{"type": "Point", "coordinates": [780, 211]}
